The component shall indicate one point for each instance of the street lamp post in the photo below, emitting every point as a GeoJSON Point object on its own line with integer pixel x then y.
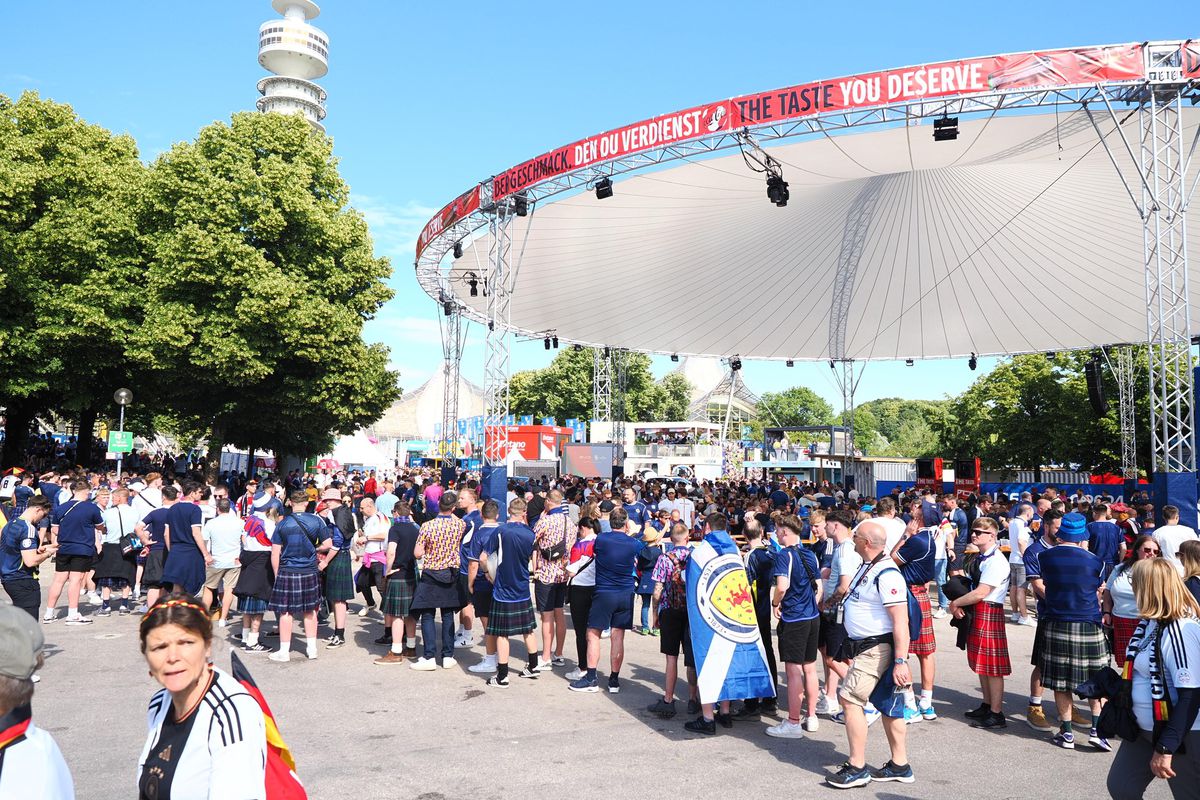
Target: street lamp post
{"type": "Point", "coordinates": [123, 397]}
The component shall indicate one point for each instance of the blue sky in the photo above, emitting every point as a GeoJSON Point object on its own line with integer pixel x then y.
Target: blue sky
{"type": "Point", "coordinates": [426, 99]}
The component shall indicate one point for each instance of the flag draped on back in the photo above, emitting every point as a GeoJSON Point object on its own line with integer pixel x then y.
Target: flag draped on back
{"type": "Point", "coordinates": [730, 660]}
{"type": "Point", "coordinates": [282, 782]}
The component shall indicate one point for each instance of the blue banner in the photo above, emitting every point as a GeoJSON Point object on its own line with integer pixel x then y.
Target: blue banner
{"type": "Point", "coordinates": [527, 419]}
{"type": "Point", "coordinates": [462, 427]}
{"type": "Point", "coordinates": [1013, 490]}
{"type": "Point", "coordinates": [548, 421]}
{"type": "Point", "coordinates": [731, 663]}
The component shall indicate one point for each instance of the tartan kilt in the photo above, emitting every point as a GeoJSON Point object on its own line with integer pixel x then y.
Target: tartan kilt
{"type": "Point", "coordinates": [339, 578]}
{"type": "Point", "coordinates": [398, 596]}
{"type": "Point", "coordinates": [1071, 652]}
{"type": "Point", "coordinates": [511, 619]}
{"type": "Point", "coordinates": [927, 642]}
{"type": "Point", "coordinates": [252, 605]}
{"type": "Point", "coordinates": [295, 593]}
{"type": "Point", "coordinates": [987, 643]}
{"type": "Point", "coordinates": [1123, 629]}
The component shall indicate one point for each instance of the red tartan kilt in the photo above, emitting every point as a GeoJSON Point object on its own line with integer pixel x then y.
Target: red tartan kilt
{"type": "Point", "coordinates": [1123, 629]}
{"type": "Point", "coordinates": [927, 643]}
{"type": "Point", "coordinates": [987, 644]}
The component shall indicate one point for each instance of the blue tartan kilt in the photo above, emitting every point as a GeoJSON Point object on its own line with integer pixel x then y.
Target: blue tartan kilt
{"type": "Point", "coordinates": [339, 578]}
{"type": "Point", "coordinates": [398, 597]}
{"type": "Point", "coordinates": [295, 593]}
{"type": "Point", "coordinates": [251, 605]}
{"type": "Point", "coordinates": [511, 619]}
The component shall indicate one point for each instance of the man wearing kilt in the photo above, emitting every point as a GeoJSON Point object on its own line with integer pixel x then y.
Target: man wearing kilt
{"type": "Point", "coordinates": [337, 577]}
{"type": "Point", "coordinates": [987, 643]}
{"type": "Point", "coordinates": [256, 579]}
{"type": "Point", "coordinates": [508, 552]}
{"type": "Point", "coordinates": [916, 554]}
{"type": "Point", "coordinates": [1073, 645]}
{"type": "Point", "coordinates": [401, 584]}
{"type": "Point", "coordinates": [297, 591]}
{"type": "Point", "coordinates": [438, 544]}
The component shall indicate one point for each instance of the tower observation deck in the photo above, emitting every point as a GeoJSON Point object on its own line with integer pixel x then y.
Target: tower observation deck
{"type": "Point", "coordinates": [297, 53]}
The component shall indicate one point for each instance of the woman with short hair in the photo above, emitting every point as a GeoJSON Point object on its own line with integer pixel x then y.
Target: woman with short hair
{"type": "Point", "coordinates": [207, 735]}
{"type": "Point", "coordinates": [1162, 663]}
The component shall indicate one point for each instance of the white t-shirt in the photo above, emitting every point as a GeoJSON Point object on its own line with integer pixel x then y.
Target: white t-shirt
{"type": "Point", "coordinates": [687, 510]}
{"type": "Point", "coordinates": [8, 486]}
{"type": "Point", "coordinates": [1180, 668]}
{"type": "Point", "coordinates": [1120, 586]}
{"type": "Point", "coordinates": [145, 500]}
{"type": "Point", "coordinates": [253, 545]}
{"type": "Point", "coordinates": [223, 535]}
{"type": "Point", "coordinates": [866, 606]}
{"type": "Point", "coordinates": [845, 562]}
{"type": "Point", "coordinates": [119, 522]}
{"type": "Point", "coordinates": [894, 527]}
{"type": "Point", "coordinates": [1018, 540]}
{"type": "Point", "coordinates": [374, 526]}
{"type": "Point", "coordinates": [938, 535]}
{"type": "Point", "coordinates": [994, 571]}
{"type": "Point", "coordinates": [34, 767]}
{"type": "Point", "coordinates": [1169, 537]}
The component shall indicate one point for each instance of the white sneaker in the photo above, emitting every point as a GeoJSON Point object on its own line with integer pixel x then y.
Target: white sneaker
{"type": "Point", "coordinates": [449, 663]}
{"type": "Point", "coordinates": [811, 724]}
{"type": "Point", "coordinates": [279, 655]}
{"type": "Point", "coordinates": [872, 714]}
{"type": "Point", "coordinates": [575, 674]}
{"type": "Point", "coordinates": [786, 730]}
{"type": "Point", "coordinates": [607, 632]}
{"type": "Point", "coordinates": [464, 641]}
{"type": "Point", "coordinates": [544, 666]}
{"type": "Point", "coordinates": [827, 705]}
{"type": "Point", "coordinates": [94, 598]}
{"type": "Point", "coordinates": [423, 665]}
{"type": "Point", "coordinates": [48, 618]}
{"type": "Point", "coordinates": [486, 666]}
{"type": "Point", "coordinates": [362, 612]}
{"type": "Point", "coordinates": [79, 619]}
{"type": "Point", "coordinates": [223, 623]}
{"type": "Point", "coordinates": [1028, 622]}
{"type": "Point", "coordinates": [35, 678]}
{"type": "Point", "coordinates": [939, 613]}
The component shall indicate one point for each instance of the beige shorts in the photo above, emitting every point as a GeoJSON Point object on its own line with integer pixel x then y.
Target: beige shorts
{"type": "Point", "coordinates": [213, 577]}
{"type": "Point", "coordinates": [865, 671]}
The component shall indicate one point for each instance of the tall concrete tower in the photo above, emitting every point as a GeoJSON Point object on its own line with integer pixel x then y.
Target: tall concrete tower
{"type": "Point", "coordinates": [297, 53]}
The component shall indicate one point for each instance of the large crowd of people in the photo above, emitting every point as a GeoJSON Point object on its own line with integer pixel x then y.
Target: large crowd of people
{"type": "Point", "coordinates": [846, 591]}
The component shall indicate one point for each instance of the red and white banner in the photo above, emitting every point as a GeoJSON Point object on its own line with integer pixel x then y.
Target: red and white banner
{"type": "Point", "coordinates": [462, 206]}
{"type": "Point", "coordinates": [1043, 69]}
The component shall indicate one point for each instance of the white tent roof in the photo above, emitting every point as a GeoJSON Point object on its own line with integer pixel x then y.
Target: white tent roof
{"type": "Point", "coordinates": [1019, 236]}
{"type": "Point", "coordinates": [416, 413]}
{"type": "Point", "coordinates": [359, 449]}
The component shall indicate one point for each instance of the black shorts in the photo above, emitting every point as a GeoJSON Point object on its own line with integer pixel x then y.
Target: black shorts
{"type": "Point", "coordinates": [550, 596]}
{"type": "Point", "coordinates": [798, 641]}
{"type": "Point", "coordinates": [463, 586]}
{"type": "Point", "coordinates": [25, 593]}
{"type": "Point", "coordinates": [481, 598]}
{"type": "Point", "coordinates": [1039, 639]}
{"type": "Point", "coordinates": [674, 634]}
{"type": "Point", "coordinates": [611, 610]}
{"type": "Point", "coordinates": [65, 563]}
{"type": "Point", "coordinates": [831, 636]}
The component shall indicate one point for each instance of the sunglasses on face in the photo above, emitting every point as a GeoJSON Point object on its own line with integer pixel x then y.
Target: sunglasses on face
{"type": "Point", "coordinates": [1153, 550]}
{"type": "Point", "coordinates": [979, 531]}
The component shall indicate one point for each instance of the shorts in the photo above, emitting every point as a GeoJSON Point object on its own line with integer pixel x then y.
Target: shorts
{"type": "Point", "coordinates": [611, 610]}
{"type": "Point", "coordinates": [464, 587]}
{"type": "Point", "coordinates": [214, 576]}
{"type": "Point", "coordinates": [865, 671]}
{"type": "Point", "coordinates": [798, 640]}
{"type": "Point", "coordinates": [152, 572]}
{"type": "Point", "coordinates": [65, 563]}
{"type": "Point", "coordinates": [25, 593]}
{"type": "Point", "coordinates": [481, 598]}
{"type": "Point", "coordinates": [1017, 579]}
{"type": "Point", "coordinates": [674, 634]}
{"type": "Point", "coordinates": [550, 596]}
{"type": "Point", "coordinates": [831, 636]}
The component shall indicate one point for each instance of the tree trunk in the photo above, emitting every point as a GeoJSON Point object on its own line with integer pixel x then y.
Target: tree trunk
{"type": "Point", "coordinates": [16, 431]}
{"type": "Point", "coordinates": [87, 431]}
{"type": "Point", "coordinates": [1037, 474]}
{"type": "Point", "coordinates": [216, 442]}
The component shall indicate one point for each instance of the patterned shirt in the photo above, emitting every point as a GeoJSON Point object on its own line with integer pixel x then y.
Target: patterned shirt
{"type": "Point", "coordinates": [553, 527]}
{"type": "Point", "coordinates": [670, 571]}
{"type": "Point", "coordinates": [440, 537]}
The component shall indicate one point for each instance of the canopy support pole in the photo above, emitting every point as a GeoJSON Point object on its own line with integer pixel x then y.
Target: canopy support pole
{"type": "Point", "coordinates": [733, 380]}
{"type": "Point", "coordinates": [452, 327]}
{"type": "Point", "coordinates": [620, 405]}
{"type": "Point", "coordinates": [601, 385]}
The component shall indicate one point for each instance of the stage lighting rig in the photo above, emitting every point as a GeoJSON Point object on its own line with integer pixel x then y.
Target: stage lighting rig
{"type": "Point", "coordinates": [472, 281]}
{"type": "Point", "coordinates": [945, 129]}
{"type": "Point", "coordinates": [604, 189]}
{"type": "Point", "coordinates": [908, 362]}
{"type": "Point", "coordinates": [735, 364]}
{"type": "Point", "coordinates": [520, 204]}
{"type": "Point", "coordinates": [578, 348]}
{"type": "Point", "coordinates": [546, 341]}
{"type": "Point", "coordinates": [554, 341]}
{"type": "Point", "coordinates": [791, 363]}
{"type": "Point", "coordinates": [973, 362]}
{"type": "Point", "coordinates": [675, 357]}
{"type": "Point", "coordinates": [759, 160]}
{"type": "Point", "coordinates": [458, 249]}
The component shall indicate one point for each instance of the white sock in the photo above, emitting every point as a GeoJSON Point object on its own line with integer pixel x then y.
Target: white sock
{"type": "Point", "coordinates": [49, 613]}
{"type": "Point", "coordinates": [397, 648]}
{"type": "Point", "coordinates": [910, 699]}
{"type": "Point", "coordinates": [251, 639]}
{"type": "Point", "coordinates": [285, 647]}
{"type": "Point", "coordinates": [927, 697]}
{"type": "Point", "coordinates": [72, 612]}
{"type": "Point", "coordinates": [312, 644]}
{"type": "Point", "coordinates": [411, 644]}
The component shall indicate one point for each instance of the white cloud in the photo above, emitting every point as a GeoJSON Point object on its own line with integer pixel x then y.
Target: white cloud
{"type": "Point", "coordinates": [395, 331]}
{"type": "Point", "coordinates": [393, 227]}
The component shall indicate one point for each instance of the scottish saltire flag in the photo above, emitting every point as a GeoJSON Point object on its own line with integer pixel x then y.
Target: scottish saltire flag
{"type": "Point", "coordinates": [730, 660]}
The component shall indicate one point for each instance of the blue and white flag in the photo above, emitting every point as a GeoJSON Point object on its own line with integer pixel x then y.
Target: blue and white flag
{"type": "Point", "coordinates": [731, 663]}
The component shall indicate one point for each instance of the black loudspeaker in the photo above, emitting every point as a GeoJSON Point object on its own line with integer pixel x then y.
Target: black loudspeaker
{"type": "Point", "coordinates": [1093, 371]}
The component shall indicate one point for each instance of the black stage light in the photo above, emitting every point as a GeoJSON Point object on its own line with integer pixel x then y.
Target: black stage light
{"type": "Point", "coordinates": [458, 249]}
{"type": "Point", "coordinates": [675, 357]}
{"type": "Point", "coordinates": [945, 129]}
{"type": "Point", "coordinates": [520, 205]}
{"type": "Point", "coordinates": [777, 190]}
{"type": "Point", "coordinates": [973, 362]}
{"type": "Point", "coordinates": [791, 363]}
{"type": "Point", "coordinates": [547, 342]}
{"type": "Point", "coordinates": [603, 188]}
{"type": "Point", "coordinates": [606, 352]}
{"type": "Point", "coordinates": [908, 362]}
{"type": "Point", "coordinates": [1051, 355]}
{"type": "Point", "coordinates": [735, 364]}
{"type": "Point", "coordinates": [554, 341]}
{"type": "Point", "coordinates": [473, 282]}
{"type": "Point", "coordinates": [578, 348]}
{"type": "Point", "coordinates": [447, 309]}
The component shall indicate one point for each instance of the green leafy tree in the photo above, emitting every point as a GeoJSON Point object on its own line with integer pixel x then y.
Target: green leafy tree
{"type": "Point", "coordinates": [259, 279]}
{"type": "Point", "coordinates": [905, 427]}
{"type": "Point", "coordinates": [70, 265]}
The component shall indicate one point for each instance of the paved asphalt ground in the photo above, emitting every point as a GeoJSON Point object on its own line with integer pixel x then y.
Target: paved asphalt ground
{"type": "Point", "coordinates": [360, 730]}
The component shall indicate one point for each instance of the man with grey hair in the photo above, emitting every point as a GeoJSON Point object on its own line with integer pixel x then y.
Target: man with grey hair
{"type": "Point", "coordinates": [31, 765]}
{"type": "Point", "coordinates": [875, 613]}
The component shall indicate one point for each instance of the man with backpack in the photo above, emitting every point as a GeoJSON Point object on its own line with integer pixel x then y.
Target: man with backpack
{"type": "Point", "coordinates": [795, 603]}
{"type": "Point", "coordinates": [876, 616]}
{"type": "Point", "coordinates": [671, 617]}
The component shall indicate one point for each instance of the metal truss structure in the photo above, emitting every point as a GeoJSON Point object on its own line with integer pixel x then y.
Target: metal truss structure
{"type": "Point", "coordinates": [620, 397]}
{"type": "Point", "coordinates": [847, 381]}
{"type": "Point", "coordinates": [602, 388]}
{"type": "Point", "coordinates": [499, 286]}
{"type": "Point", "coordinates": [453, 329]}
{"type": "Point", "coordinates": [1121, 363]}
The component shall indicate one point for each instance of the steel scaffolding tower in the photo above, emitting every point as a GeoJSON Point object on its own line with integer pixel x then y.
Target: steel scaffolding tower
{"type": "Point", "coordinates": [496, 358]}
{"type": "Point", "coordinates": [453, 328]}
{"type": "Point", "coordinates": [1122, 364]}
{"type": "Point", "coordinates": [602, 388]}
{"type": "Point", "coordinates": [620, 399]}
